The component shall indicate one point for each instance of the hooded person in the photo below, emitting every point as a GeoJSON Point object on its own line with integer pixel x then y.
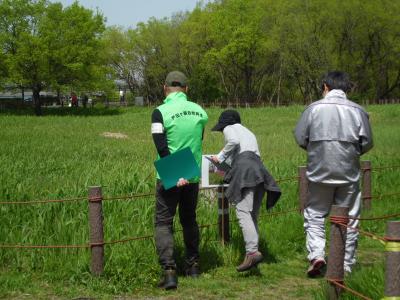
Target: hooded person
{"type": "Point", "coordinates": [248, 181]}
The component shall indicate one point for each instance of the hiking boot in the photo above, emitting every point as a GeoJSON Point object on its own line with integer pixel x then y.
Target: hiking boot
{"type": "Point", "coordinates": [316, 267]}
{"type": "Point", "coordinates": [169, 280]}
{"type": "Point", "coordinates": [193, 270]}
{"type": "Point", "coordinates": [250, 261]}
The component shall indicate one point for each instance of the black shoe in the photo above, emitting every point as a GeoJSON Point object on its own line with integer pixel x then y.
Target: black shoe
{"type": "Point", "coordinates": [193, 270]}
{"type": "Point", "coordinates": [250, 261]}
{"type": "Point", "coordinates": [169, 280]}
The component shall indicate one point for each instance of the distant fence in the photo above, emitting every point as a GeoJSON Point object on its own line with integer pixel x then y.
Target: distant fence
{"type": "Point", "coordinates": [241, 104]}
{"type": "Point", "coordinates": [18, 103]}
{"type": "Point", "coordinates": [339, 219]}
{"type": "Point", "coordinates": [244, 104]}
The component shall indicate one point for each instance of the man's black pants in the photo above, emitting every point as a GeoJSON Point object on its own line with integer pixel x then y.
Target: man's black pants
{"type": "Point", "coordinates": [166, 203]}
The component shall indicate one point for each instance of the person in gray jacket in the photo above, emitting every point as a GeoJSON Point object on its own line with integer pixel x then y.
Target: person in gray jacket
{"type": "Point", "coordinates": [248, 181]}
{"type": "Point", "coordinates": [335, 132]}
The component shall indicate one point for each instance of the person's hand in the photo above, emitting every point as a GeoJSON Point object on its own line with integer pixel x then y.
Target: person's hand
{"type": "Point", "coordinates": [215, 158]}
{"type": "Point", "coordinates": [182, 182]}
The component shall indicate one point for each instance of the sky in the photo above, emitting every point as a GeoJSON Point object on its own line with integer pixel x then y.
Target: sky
{"type": "Point", "coordinates": [127, 13]}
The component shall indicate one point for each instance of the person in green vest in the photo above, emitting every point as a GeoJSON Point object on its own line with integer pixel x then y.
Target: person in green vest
{"type": "Point", "coordinates": [176, 124]}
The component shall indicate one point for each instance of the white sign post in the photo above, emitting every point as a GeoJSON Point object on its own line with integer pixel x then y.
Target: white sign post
{"type": "Point", "coordinates": [207, 167]}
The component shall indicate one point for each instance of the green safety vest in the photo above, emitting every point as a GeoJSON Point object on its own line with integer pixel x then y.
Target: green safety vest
{"type": "Point", "coordinates": [184, 122]}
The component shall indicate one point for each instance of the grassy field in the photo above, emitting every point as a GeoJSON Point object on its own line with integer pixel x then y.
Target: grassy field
{"type": "Point", "coordinates": [63, 153]}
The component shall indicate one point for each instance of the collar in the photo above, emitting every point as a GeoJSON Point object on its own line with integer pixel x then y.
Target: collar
{"type": "Point", "coordinates": [337, 94]}
{"type": "Point", "coordinates": [175, 96]}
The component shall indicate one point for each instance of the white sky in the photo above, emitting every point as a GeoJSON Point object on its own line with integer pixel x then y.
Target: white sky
{"type": "Point", "coordinates": [127, 13]}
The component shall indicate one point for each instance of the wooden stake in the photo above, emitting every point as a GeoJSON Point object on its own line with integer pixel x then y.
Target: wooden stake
{"type": "Point", "coordinates": [366, 184]}
{"type": "Point", "coordinates": [337, 247]}
{"type": "Point", "coordinates": [392, 254]}
{"type": "Point", "coordinates": [223, 216]}
{"type": "Point", "coordinates": [96, 230]}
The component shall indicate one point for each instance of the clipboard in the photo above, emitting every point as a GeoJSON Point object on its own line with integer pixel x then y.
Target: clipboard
{"type": "Point", "coordinates": [206, 167]}
{"type": "Point", "coordinates": [224, 167]}
{"type": "Point", "coordinates": [180, 164]}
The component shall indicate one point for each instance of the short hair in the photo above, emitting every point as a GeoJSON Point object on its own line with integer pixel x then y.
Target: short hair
{"type": "Point", "coordinates": [173, 89]}
{"type": "Point", "coordinates": [337, 80]}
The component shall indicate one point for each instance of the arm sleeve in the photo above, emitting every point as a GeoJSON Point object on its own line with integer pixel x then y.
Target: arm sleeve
{"type": "Point", "coordinates": [231, 143]}
{"type": "Point", "coordinates": [366, 141]}
{"type": "Point", "coordinates": [159, 134]}
{"type": "Point", "coordinates": [302, 130]}
{"type": "Point", "coordinates": [205, 120]}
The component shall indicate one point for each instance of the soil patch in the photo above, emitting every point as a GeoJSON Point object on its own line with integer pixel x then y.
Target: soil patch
{"type": "Point", "coordinates": [114, 135]}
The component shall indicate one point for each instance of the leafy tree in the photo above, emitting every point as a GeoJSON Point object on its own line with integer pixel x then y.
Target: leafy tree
{"type": "Point", "coordinates": [232, 50]}
{"type": "Point", "coordinates": [122, 56]}
{"type": "Point", "coordinates": [46, 45]}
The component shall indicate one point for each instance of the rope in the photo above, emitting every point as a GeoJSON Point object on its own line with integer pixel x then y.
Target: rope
{"type": "Point", "coordinates": [278, 213]}
{"type": "Point", "coordinates": [376, 218]}
{"type": "Point", "coordinates": [129, 197]}
{"type": "Point", "coordinates": [287, 179]}
{"type": "Point", "coordinates": [91, 244]}
{"type": "Point", "coordinates": [385, 195]}
{"type": "Point", "coordinates": [151, 194]}
{"type": "Point", "coordinates": [371, 235]}
{"type": "Point", "coordinates": [43, 201]}
{"type": "Point", "coordinates": [94, 199]}
{"type": "Point", "coordinates": [390, 239]}
{"type": "Point", "coordinates": [148, 236]}
{"type": "Point", "coordinates": [44, 246]}
{"type": "Point", "coordinates": [335, 282]}
{"type": "Point", "coordinates": [129, 239]}
{"type": "Point", "coordinates": [339, 219]}
{"type": "Point", "coordinates": [381, 168]}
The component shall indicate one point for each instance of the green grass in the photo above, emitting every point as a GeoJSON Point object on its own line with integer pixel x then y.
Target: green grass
{"type": "Point", "coordinates": [63, 153]}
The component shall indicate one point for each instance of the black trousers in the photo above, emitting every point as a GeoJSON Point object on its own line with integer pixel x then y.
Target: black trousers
{"type": "Point", "coordinates": [167, 202]}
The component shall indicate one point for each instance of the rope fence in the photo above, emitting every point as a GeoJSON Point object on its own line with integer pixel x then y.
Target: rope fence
{"type": "Point", "coordinates": [335, 274]}
{"type": "Point", "coordinates": [355, 293]}
{"type": "Point", "coordinates": [44, 201]}
{"type": "Point", "coordinates": [136, 238]}
{"type": "Point", "coordinates": [145, 195]}
{"type": "Point", "coordinates": [339, 226]}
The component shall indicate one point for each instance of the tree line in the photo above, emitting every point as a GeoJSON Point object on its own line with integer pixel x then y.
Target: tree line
{"type": "Point", "coordinates": [246, 51]}
{"type": "Point", "coordinates": [47, 46]}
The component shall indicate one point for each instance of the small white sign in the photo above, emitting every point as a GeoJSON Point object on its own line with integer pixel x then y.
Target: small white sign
{"type": "Point", "coordinates": [207, 167]}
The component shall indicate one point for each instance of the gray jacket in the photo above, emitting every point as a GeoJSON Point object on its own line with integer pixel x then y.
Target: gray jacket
{"type": "Point", "coordinates": [241, 152]}
{"type": "Point", "coordinates": [335, 132]}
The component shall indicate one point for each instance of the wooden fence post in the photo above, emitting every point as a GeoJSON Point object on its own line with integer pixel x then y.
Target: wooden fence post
{"type": "Point", "coordinates": [223, 216]}
{"type": "Point", "coordinates": [303, 188]}
{"type": "Point", "coordinates": [337, 247]}
{"type": "Point", "coordinates": [392, 253]}
{"type": "Point", "coordinates": [366, 184]}
{"type": "Point", "coordinates": [96, 230]}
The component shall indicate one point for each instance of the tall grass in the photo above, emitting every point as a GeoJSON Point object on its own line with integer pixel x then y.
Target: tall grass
{"type": "Point", "coordinates": [61, 155]}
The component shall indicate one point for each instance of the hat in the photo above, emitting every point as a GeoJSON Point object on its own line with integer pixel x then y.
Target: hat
{"type": "Point", "coordinates": [176, 78]}
{"type": "Point", "coordinates": [227, 117]}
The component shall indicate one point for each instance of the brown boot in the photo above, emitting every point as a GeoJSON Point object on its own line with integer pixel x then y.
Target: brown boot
{"type": "Point", "coordinates": [250, 261]}
{"type": "Point", "coordinates": [169, 280]}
